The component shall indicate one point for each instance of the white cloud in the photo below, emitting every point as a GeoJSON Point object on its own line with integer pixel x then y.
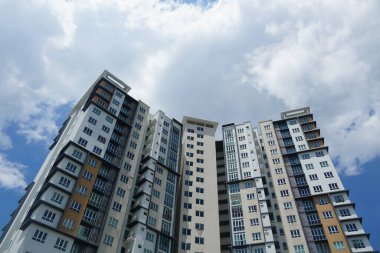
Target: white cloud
{"type": "Point", "coordinates": [227, 61]}
{"type": "Point", "coordinates": [11, 174]}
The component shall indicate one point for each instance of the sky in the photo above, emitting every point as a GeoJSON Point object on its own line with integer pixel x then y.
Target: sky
{"type": "Point", "coordinates": [227, 61]}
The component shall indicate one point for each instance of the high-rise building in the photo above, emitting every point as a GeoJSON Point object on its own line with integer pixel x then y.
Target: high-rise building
{"type": "Point", "coordinates": [251, 229]}
{"type": "Point", "coordinates": [151, 226]}
{"type": "Point", "coordinates": [316, 212]}
{"type": "Point", "coordinates": [284, 192]}
{"type": "Point", "coordinates": [198, 219]}
{"type": "Point", "coordinates": [118, 179]}
{"type": "Point", "coordinates": [81, 196]}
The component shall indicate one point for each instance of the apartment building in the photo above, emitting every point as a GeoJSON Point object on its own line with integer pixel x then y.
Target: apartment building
{"type": "Point", "coordinates": [151, 226]}
{"type": "Point", "coordinates": [118, 179]}
{"type": "Point", "coordinates": [80, 198]}
{"type": "Point", "coordinates": [224, 219]}
{"type": "Point", "coordinates": [316, 212]}
{"type": "Point", "coordinates": [250, 226]}
{"type": "Point", "coordinates": [198, 219]}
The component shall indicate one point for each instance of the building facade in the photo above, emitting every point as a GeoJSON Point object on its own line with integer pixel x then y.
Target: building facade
{"type": "Point", "coordinates": [250, 226]}
{"type": "Point", "coordinates": [118, 179]}
{"type": "Point", "coordinates": [151, 226]}
{"type": "Point", "coordinates": [198, 219]}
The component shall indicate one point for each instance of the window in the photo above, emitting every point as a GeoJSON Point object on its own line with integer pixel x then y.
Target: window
{"type": "Point", "coordinates": [76, 206]}
{"type": "Point", "coordinates": [199, 240]}
{"type": "Point", "coordinates": [157, 181]}
{"type": "Point", "coordinates": [57, 198]}
{"type": "Point", "coordinates": [200, 160]}
{"type": "Point", "coordinates": [102, 139]}
{"type": "Point", "coordinates": [271, 143]}
{"type": "Point", "coordinates": [149, 236]}
{"type": "Point", "coordinates": [141, 109]}
{"type": "Point", "coordinates": [248, 185]}
{"type": "Point", "coordinates": [187, 206]}
{"type": "Point", "coordinates": [200, 170]}
{"type": "Point", "coordinates": [200, 179]}
{"type": "Point", "coordinates": [199, 190]}
{"type": "Point", "coordinates": [87, 175]}
{"type": "Point", "coordinates": [295, 233]}
{"type": "Point", "coordinates": [358, 244]}
{"type": "Point", "coordinates": [254, 222]}
{"type": "Point", "coordinates": [291, 218]}
{"type": "Point", "coordinates": [299, 138]}
{"type": "Point", "coordinates": [200, 143]}
{"type": "Point", "coordinates": [344, 212]}
{"type": "Point", "coordinates": [92, 120]}
{"type": "Point", "coordinates": [92, 162]}
{"type": "Point", "coordinates": [48, 216]}
{"type": "Point", "coordinates": [108, 240]}
{"type": "Point", "coordinates": [113, 222]}
{"type": "Point", "coordinates": [199, 226]}
{"type": "Point", "coordinates": [266, 127]}
{"type": "Point", "coordinates": [256, 236]}
{"type": "Point", "coordinates": [199, 213]}
{"type": "Point", "coordinates": [284, 193]}
{"type": "Point", "coordinates": [77, 154]}
{"type": "Point", "coordinates": [339, 245]}
{"type": "Point", "coordinates": [319, 154]}
{"type": "Point", "coordinates": [156, 193]}
{"type": "Point", "coordinates": [281, 181]}
{"type": "Point", "coordinates": [116, 206]}
{"type": "Point", "coordinates": [112, 110]}
{"type": "Point", "coordinates": [276, 161]}
{"type": "Point", "coordinates": [82, 142]}
{"type": "Point", "coordinates": [135, 135]}
{"type": "Point", "coordinates": [39, 236]}
{"type": "Point", "coordinates": [334, 186]}
{"type": "Point", "coordinates": [313, 177]}
{"type": "Point", "coordinates": [302, 147]}
{"type": "Point", "coordinates": [82, 190]}
{"type": "Point", "coordinates": [327, 215]}
{"type": "Point", "coordinates": [324, 164]}
{"type": "Point", "coordinates": [152, 220]}
{"type": "Point", "coordinates": [97, 150]}
{"type": "Point", "coordinates": [252, 208]}
{"type": "Point", "coordinates": [269, 135]}
{"type": "Point", "coordinates": [288, 205]}
{"type": "Point", "coordinates": [106, 129]}
{"type": "Point", "coordinates": [120, 192]}
{"type": "Point", "coordinates": [273, 151]}
{"type": "Point", "coordinates": [186, 218]}
{"type": "Point", "coordinates": [68, 224]}
{"type": "Point", "coordinates": [333, 229]}
{"type": "Point", "coordinates": [299, 249]}
{"type": "Point", "coordinates": [339, 198]}
{"type": "Point", "coordinates": [109, 119]}
{"type": "Point", "coordinates": [305, 156]}
{"type": "Point", "coordinates": [87, 130]}
{"type": "Point", "coordinates": [318, 188]}
{"type": "Point", "coordinates": [351, 227]}
{"type": "Point", "coordinates": [64, 182]}
{"type": "Point", "coordinates": [328, 174]}
{"type": "Point", "coordinates": [250, 196]}
{"type": "Point", "coordinates": [96, 111]}
{"type": "Point", "coordinates": [186, 231]}
{"type": "Point", "coordinates": [185, 246]}
{"type": "Point", "coordinates": [278, 171]}
{"type": "Point", "coordinates": [309, 166]}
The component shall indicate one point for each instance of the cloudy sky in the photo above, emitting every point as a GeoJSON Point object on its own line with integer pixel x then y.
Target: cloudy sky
{"type": "Point", "coordinates": [228, 61]}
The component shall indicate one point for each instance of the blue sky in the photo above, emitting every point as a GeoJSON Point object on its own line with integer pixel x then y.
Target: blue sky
{"type": "Point", "coordinates": [228, 61]}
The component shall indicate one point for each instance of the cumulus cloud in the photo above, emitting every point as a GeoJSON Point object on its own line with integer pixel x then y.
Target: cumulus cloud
{"type": "Point", "coordinates": [229, 61]}
{"type": "Point", "coordinates": [11, 174]}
